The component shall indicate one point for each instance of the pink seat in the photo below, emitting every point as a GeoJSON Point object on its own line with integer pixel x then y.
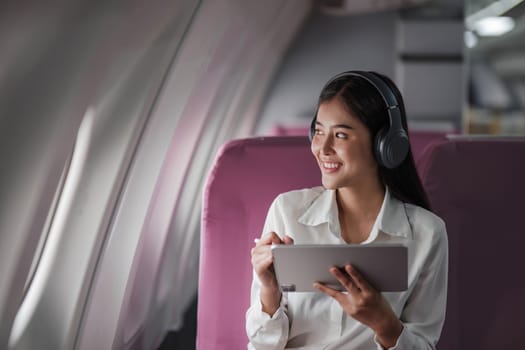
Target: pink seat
{"type": "Point", "coordinates": [420, 139]}
{"type": "Point", "coordinates": [287, 130]}
{"type": "Point", "coordinates": [247, 175]}
{"type": "Point", "coordinates": [477, 186]}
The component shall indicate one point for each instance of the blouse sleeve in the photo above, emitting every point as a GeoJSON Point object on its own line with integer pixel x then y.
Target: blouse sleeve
{"type": "Point", "coordinates": [265, 332]}
{"type": "Point", "coordinates": [424, 313]}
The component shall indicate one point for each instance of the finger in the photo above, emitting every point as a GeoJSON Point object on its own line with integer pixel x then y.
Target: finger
{"type": "Point", "coordinates": [344, 279]}
{"type": "Point", "coordinates": [269, 238]}
{"type": "Point", "coordinates": [327, 290]}
{"type": "Point", "coordinates": [262, 260]}
{"type": "Point", "coordinates": [261, 251]}
{"type": "Point", "coordinates": [265, 239]}
{"type": "Point", "coordinates": [358, 278]}
{"type": "Point", "coordinates": [276, 239]}
{"type": "Point", "coordinates": [288, 240]}
{"type": "Point", "coordinates": [264, 251]}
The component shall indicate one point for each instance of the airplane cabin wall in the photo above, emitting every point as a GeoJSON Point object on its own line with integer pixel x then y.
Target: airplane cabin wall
{"type": "Point", "coordinates": [98, 74]}
{"type": "Point", "coordinates": [108, 131]}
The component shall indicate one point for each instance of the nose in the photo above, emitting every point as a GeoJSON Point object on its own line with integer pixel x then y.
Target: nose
{"type": "Point", "coordinates": [326, 144]}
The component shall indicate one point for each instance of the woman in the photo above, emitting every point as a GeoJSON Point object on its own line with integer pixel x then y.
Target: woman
{"type": "Point", "coordinates": [371, 193]}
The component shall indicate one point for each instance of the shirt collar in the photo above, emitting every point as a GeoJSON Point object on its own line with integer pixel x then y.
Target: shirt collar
{"type": "Point", "coordinates": [392, 218]}
{"type": "Point", "coordinates": [323, 209]}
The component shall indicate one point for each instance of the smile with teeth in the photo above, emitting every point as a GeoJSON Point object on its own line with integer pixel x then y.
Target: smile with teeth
{"type": "Point", "coordinates": [329, 165]}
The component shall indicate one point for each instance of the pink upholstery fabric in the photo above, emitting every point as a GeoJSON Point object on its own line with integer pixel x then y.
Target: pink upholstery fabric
{"type": "Point", "coordinates": [478, 187]}
{"type": "Point", "coordinates": [247, 175]}
{"type": "Point", "coordinates": [420, 139]}
{"type": "Point", "coordinates": [286, 130]}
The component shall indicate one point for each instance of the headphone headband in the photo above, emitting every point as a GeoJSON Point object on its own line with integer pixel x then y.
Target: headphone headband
{"type": "Point", "coordinates": [394, 113]}
{"type": "Point", "coordinates": [385, 92]}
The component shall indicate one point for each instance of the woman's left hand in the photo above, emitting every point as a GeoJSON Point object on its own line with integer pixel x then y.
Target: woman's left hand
{"type": "Point", "coordinates": [365, 304]}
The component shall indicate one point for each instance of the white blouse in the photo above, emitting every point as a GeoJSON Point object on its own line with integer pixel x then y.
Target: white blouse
{"type": "Point", "coordinates": [315, 320]}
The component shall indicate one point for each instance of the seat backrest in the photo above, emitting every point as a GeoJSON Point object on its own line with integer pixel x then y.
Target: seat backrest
{"type": "Point", "coordinates": [477, 185]}
{"type": "Point", "coordinates": [421, 139]}
{"type": "Point", "coordinates": [290, 130]}
{"type": "Point", "coordinates": [247, 175]}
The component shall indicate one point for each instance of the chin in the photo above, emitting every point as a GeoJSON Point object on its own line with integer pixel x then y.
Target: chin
{"type": "Point", "coordinates": [330, 185]}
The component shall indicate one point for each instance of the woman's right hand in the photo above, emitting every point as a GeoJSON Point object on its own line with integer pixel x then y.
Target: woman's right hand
{"type": "Point", "coordinates": [262, 262]}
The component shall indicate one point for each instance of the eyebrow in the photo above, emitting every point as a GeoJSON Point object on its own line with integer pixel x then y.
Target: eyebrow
{"type": "Point", "coordinates": [344, 126]}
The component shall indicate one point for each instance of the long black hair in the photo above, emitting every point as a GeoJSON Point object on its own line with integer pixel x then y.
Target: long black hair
{"type": "Point", "coordinates": [364, 101]}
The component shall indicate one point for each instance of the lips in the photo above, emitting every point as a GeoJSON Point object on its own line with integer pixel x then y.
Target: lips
{"type": "Point", "coordinates": [329, 167]}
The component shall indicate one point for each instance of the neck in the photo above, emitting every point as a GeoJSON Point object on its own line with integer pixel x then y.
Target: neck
{"type": "Point", "coordinates": [358, 209]}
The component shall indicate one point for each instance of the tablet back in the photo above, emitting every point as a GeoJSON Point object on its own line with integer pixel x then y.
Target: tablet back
{"type": "Point", "coordinates": [297, 267]}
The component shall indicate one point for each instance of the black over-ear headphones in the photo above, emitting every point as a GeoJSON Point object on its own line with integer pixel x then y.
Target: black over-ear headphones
{"type": "Point", "coordinates": [391, 142]}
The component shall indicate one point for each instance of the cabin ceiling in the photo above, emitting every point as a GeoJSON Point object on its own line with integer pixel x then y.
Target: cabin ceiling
{"type": "Point", "coordinates": [506, 53]}
{"type": "Point", "coordinates": [353, 7]}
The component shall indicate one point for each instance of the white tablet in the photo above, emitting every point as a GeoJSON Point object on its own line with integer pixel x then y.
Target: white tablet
{"type": "Point", "coordinates": [297, 267]}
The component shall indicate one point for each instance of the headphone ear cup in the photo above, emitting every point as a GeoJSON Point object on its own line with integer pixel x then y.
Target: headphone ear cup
{"type": "Point", "coordinates": [391, 147]}
{"type": "Point", "coordinates": [379, 146]}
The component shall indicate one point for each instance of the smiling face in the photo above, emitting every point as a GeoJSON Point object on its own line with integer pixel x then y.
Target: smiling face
{"type": "Point", "coordinates": [342, 147]}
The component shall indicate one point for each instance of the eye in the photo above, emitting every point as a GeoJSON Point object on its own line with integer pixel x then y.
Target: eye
{"type": "Point", "coordinates": [318, 132]}
{"type": "Point", "coordinates": [341, 135]}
